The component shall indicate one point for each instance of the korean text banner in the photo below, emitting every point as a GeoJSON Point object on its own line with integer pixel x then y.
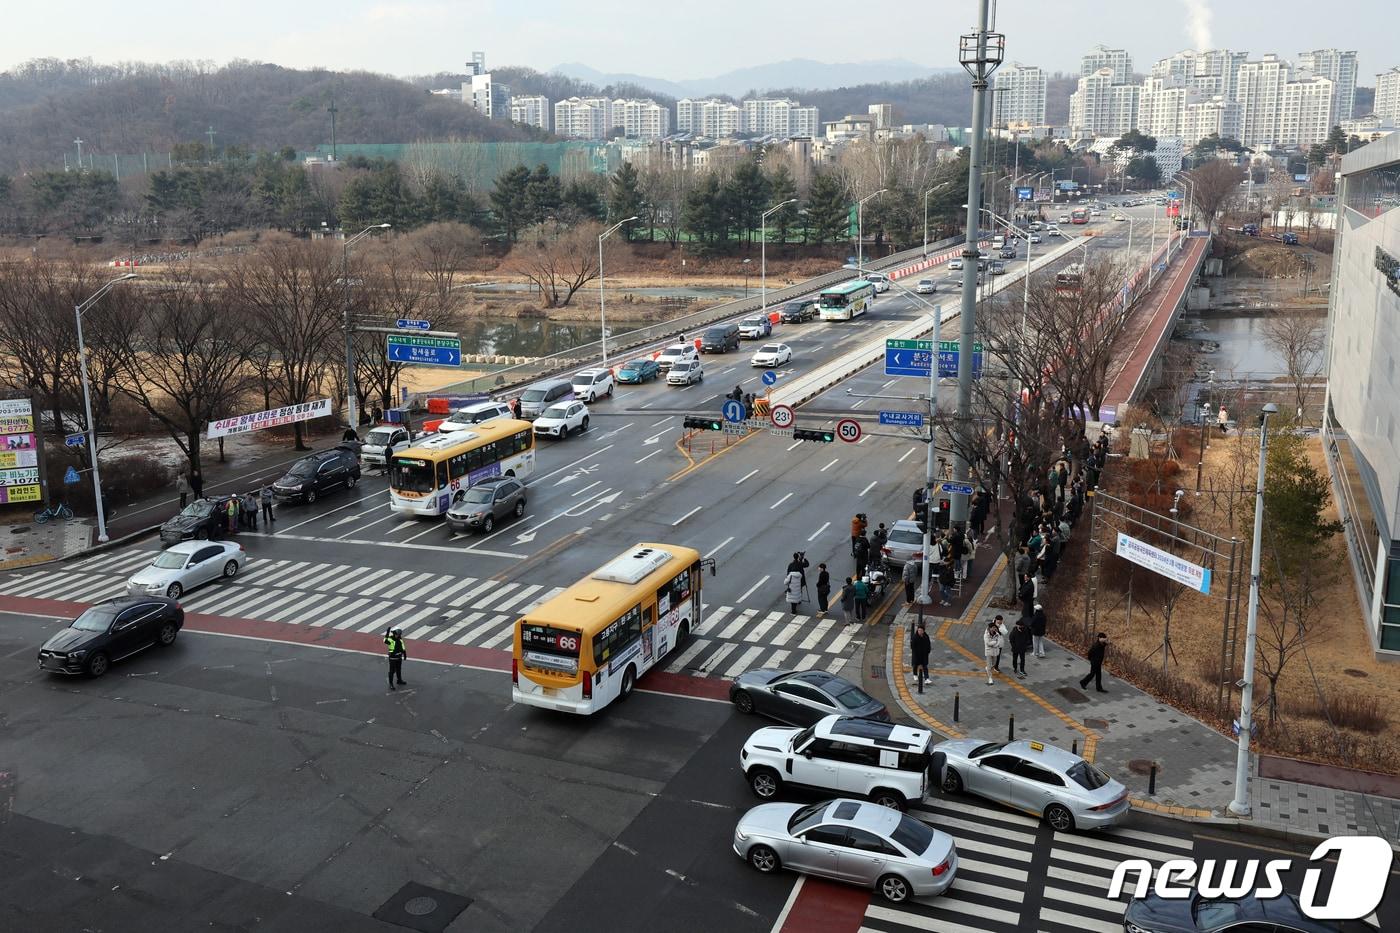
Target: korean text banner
{"type": "Point", "coordinates": [271, 418]}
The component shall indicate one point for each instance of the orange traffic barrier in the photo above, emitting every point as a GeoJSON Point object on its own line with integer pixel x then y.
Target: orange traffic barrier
{"type": "Point", "coordinates": [439, 406]}
{"type": "Point", "coordinates": [760, 408]}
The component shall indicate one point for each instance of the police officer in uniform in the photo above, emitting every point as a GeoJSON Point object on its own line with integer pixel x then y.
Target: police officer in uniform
{"type": "Point", "coordinates": [394, 641]}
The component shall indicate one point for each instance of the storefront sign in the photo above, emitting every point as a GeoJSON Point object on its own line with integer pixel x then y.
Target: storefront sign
{"type": "Point", "coordinates": [271, 418]}
{"type": "Point", "coordinates": [19, 452]}
{"type": "Point", "coordinates": [1389, 267]}
{"type": "Point", "coordinates": [1164, 562]}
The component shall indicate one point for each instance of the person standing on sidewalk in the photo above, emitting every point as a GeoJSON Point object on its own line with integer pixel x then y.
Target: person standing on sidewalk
{"type": "Point", "coordinates": [197, 484]}
{"type": "Point", "coordinates": [265, 495]}
{"type": "Point", "coordinates": [991, 647]}
{"type": "Point", "coordinates": [919, 647]}
{"type": "Point", "coordinates": [823, 588]}
{"type": "Point", "coordinates": [792, 590]}
{"type": "Point", "coordinates": [249, 510]}
{"type": "Point", "coordinates": [847, 596]}
{"type": "Point", "coordinates": [911, 577]}
{"type": "Point", "coordinates": [862, 595]}
{"type": "Point", "coordinates": [1020, 641]}
{"type": "Point", "coordinates": [1038, 624]}
{"type": "Point", "coordinates": [231, 510]}
{"type": "Point", "coordinates": [182, 486]}
{"type": "Point", "coordinates": [1026, 593]}
{"type": "Point", "coordinates": [393, 640]}
{"type": "Point", "coordinates": [1096, 653]}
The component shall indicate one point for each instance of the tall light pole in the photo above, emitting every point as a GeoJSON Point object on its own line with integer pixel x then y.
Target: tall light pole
{"type": "Point", "coordinates": [1152, 250]}
{"type": "Point", "coordinates": [926, 194]}
{"type": "Point", "coordinates": [1240, 805]}
{"type": "Point", "coordinates": [979, 53]}
{"type": "Point", "coordinates": [87, 401]}
{"type": "Point", "coordinates": [602, 298]}
{"type": "Point", "coordinates": [860, 230]}
{"type": "Point", "coordinates": [352, 399]}
{"type": "Point", "coordinates": [763, 250]}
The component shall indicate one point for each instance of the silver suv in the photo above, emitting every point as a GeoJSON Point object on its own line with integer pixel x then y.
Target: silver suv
{"type": "Point", "coordinates": [885, 762]}
{"type": "Point", "coordinates": [905, 543]}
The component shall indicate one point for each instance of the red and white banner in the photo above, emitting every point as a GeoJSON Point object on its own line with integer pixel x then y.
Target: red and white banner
{"type": "Point", "coordinates": [271, 418]}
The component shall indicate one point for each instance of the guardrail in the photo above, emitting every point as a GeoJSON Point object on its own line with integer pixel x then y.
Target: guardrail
{"type": "Point", "coordinates": [620, 344]}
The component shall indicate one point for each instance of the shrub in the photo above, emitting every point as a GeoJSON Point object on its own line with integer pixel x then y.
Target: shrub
{"type": "Point", "coordinates": [131, 478]}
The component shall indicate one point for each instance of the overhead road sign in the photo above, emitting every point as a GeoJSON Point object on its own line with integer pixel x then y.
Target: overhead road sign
{"type": "Point", "coordinates": [782, 416]}
{"type": "Point", "coordinates": [1025, 194]}
{"type": "Point", "coordinates": [409, 324]}
{"type": "Point", "coordinates": [426, 351]}
{"type": "Point", "coordinates": [948, 352]}
{"type": "Point", "coordinates": [962, 489]}
{"type": "Point", "coordinates": [848, 429]}
{"type": "Point", "coordinates": [733, 411]}
{"type": "Point", "coordinates": [908, 357]}
{"type": "Point", "coordinates": [75, 440]}
{"type": "Point", "coordinates": [902, 419]}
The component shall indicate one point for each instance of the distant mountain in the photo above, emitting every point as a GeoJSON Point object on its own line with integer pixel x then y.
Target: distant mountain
{"type": "Point", "coordinates": [795, 73]}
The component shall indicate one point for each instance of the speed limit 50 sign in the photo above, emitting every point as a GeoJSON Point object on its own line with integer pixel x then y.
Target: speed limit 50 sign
{"type": "Point", "coordinates": [848, 429]}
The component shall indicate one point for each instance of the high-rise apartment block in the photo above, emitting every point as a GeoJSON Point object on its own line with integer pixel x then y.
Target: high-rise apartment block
{"type": "Point", "coordinates": [532, 110]}
{"type": "Point", "coordinates": [1117, 61]}
{"type": "Point", "coordinates": [709, 117]}
{"type": "Point", "coordinates": [1306, 114]}
{"type": "Point", "coordinates": [582, 117]}
{"type": "Point", "coordinates": [1020, 95]}
{"type": "Point", "coordinates": [489, 97]}
{"type": "Point", "coordinates": [1102, 106]}
{"type": "Point", "coordinates": [1387, 105]}
{"type": "Point", "coordinates": [883, 114]}
{"type": "Point", "coordinates": [1338, 67]}
{"type": "Point", "coordinates": [768, 116]}
{"type": "Point", "coordinates": [641, 118]}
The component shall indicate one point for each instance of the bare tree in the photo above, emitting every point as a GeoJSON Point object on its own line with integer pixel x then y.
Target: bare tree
{"type": "Point", "coordinates": [1215, 184]}
{"type": "Point", "coordinates": [559, 260]}
{"type": "Point", "coordinates": [440, 252]}
{"type": "Point", "coordinates": [1289, 611]}
{"type": "Point", "coordinates": [38, 335]}
{"type": "Point", "coordinates": [1299, 340]}
{"type": "Point", "coordinates": [393, 290]}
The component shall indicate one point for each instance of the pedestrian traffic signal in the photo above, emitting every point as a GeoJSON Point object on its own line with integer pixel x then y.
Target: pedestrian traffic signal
{"type": "Point", "coordinates": [808, 434]}
{"type": "Point", "coordinates": [704, 424]}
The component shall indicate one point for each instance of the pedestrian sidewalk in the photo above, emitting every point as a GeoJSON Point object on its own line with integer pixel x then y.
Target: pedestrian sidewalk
{"type": "Point", "coordinates": [1124, 731]}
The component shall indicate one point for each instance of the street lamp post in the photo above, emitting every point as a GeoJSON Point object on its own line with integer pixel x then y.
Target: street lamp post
{"type": "Point", "coordinates": [1240, 805]}
{"type": "Point", "coordinates": [87, 401]}
{"type": "Point", "coordinates": [602, 299]}
{"type": "Point", "coordinates": [763, 252]}
{"type": "Point", "coordinates": [860, 230]}
{"type": "Point", "coordinates": [350, 393]}
{"type": "Point", "coordinates": [746, 278]}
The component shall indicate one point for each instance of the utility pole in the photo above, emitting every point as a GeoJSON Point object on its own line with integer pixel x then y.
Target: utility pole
{"type": "Point", "coordinates": [979, 53]}
{"type": "Point", "coordinates": [210, 133]}
{"type": "Point", "coordinates": [332, 111]}
{"type": "Point", "coordinates": [80, 153]}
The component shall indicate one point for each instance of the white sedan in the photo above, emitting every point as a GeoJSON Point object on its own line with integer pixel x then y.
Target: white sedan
{"type": "Point", "coordinates": [184, 566]}
{"type": "Point", "coordinates": [925, 287]}
{"type": "Point", "coordinates": [562, 420]}
{"type": "Point", "coordinates": [772, 354]}
{"type": "Point", "coordinates": [1035, 238]}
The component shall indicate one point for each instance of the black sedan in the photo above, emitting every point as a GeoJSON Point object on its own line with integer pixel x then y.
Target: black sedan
{"type": "Point", "coordinates": [201, 519]}
{"type": "Point", "coordinates": [638, 371]}
{"type": "Point", "coordinates": [112, 631]}
{"type": "Point", "coordinates": [802, 697]}
{"type": "Point", "coordinates": [1197, 914]}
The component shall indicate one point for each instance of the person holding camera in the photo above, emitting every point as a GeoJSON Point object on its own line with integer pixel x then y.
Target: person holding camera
{"type": "Point", "coordinates": [858, 526]}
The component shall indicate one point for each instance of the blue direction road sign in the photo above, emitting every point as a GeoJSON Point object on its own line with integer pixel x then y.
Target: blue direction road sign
{"type": "Point", "coordinates": [733, 411]}
{"type": "Point", "coordinates": [75, 440]}
{"type": "Point", "coordinates": [71, 476]}
{"type": "Point", "coordinates": [428, 351]}
{"type": "Point", "coordinates": [409, 324]}
{"type": "Point", "coordinates": [902, 419]}
{"type": "Point", "coordinates": [963, 489]}
{"type": "Point", "coordinates": [948, 359]}
{"type": "Point", "coordinates": [769, 377]}
{"type": "Point", "coordinates": [908, 357]}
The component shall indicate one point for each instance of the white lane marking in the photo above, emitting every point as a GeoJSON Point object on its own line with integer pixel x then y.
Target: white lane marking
{"type": "Point", "coordinates": [686, 515]}
{"type": "Point", "coordinates": [732, 630]}
{"type": "Point", "coordinates": [829, 465]}
{"type": "Point", "coordinates": [744, 477]}
{"type": "Point", "coordinates": [793, 444]}
{"type": "Point", "coordinates": [780, 502]}
{"type": "Point", "coordinates": [868, 488]}
{"type": "Point", "coordinates": [660, 423]}
{"type": "Point", "coordinates": [718, 547]}
{"type": "Point", "coordinates": [890, 383]}
{"type": "Point", "coordinates": [787, 908]}
{"type": "Point", "coordinates": [618, 430]}
{"type": "Point", "coordinates": [858, 403]}
{"type": "Point", "coordinates": [596, 482]}
{"type": "Point", "coordinates": [697, 645]}
{"type": "Point", "coordinates": [570, 465]}
{"type": "Point", "coordinates": [319, 515]}
{"type": "Point", "coordinates": [649, 456]}
{"type": "Point", "coordinates": [709, 398]}
{"type": "Point", "coordinates": [648, 404]}
{"type": "Point", "coordinates": [824, 527]}
{"type": "Point", "coordinates": [906, 455]}
{"type": "Point", "coordinates": [749, 591]}
{"type": "Point", "coordinates": [744, 662]}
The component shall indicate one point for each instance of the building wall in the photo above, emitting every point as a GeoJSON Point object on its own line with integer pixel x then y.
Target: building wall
{"type": "Point", "coordinates": [1020, 95]}
{"type": "Point", "coordinates": [1306, 114]}
{"type": "Point", "coordinates": [1340, 68]}
{"type": "Point", "coordinates": [1260, 94]}
{"type": "Point", "coordinates": [533, 110]}
{"type": "Point", "coordinates": [1388, 97]}
{"type": "Point", "coordinates": [1118, 61]}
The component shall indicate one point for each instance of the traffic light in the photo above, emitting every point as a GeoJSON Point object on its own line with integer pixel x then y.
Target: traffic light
{"type": "Point", "coordinates": [704, 424]}
{"type": "Point", "coordinates": [944, 513]}
{"type": "Point", "coordinates": [921, 517]}
{"type": "Point", "coordinates": [807, 434]}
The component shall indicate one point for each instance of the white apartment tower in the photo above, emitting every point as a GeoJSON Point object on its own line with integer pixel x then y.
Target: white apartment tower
{"type": "Point", "coordinates": [1340, 68]}
{"type": "Point", "coordinates": [582, 117]}
{"type": "Point", "coordinates": [709, 117]}
{"type": "Point", "coordinates": [532, 110]}
{"type": "Point", "coordinates": [1118, 61]}
{"type": "Point", "coordinates": [489, 97]}
{"type": "Point", "coordinates": [641, 119]}
{"type": "Point", "coordinates": [1387, 106]}
{"type": "Point", "coordinates": [1102, 106]}
{"type": "Point", "coordinates": [1215, 116]}
{"type": "Point", "coordinates": [1162, 104]}
{"type": "Point", "coordinates": [1260, 95]}
{"type": "Point", "coordinates": [1020, 95]}
{"type": "Point", "coordinates": [883, 114]}
{"type": "Point", "coordinates": [806, 121]}
{"type": "Point", "coordinates": [1306, 114]}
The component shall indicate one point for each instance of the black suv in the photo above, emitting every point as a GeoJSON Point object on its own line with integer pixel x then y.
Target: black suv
{"type": "Point", "coordinates": [314, 476]}
{"type": "Point", "coordinates": [111, 631]}
{"type": "Point", "coordinates": [201, 519]}
{"type": "Point", "coordinates": [795, 312]}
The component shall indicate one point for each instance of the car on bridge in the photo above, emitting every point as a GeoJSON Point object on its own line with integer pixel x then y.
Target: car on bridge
{"type": "Point", "coordinates": [772, 354]}
{"type": "Point", "coordinates": [676, 353]}
{"type": "Point", "coordinates": [636, 372]}
{"type": "Point", "coordinates": [562, 420]}
{"type": "Point", "coordinates": [926, 287]}
{"type": "Point", "coordinates": [798, 311]}
{"type": "Point", "coordinates": [685, 373]}
{"type": "Point", "coordinates": [755, 328]}
{"type": "Point", "coordinates": [593, 384]}
{"type": "Point", "coordinates": [955, 264]}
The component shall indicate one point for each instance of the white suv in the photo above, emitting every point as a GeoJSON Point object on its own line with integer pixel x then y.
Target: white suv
{"type": "Point", "coordinates": [593, 384]}
{"type": "Point", "coordinates": [464, 418]}
{"type": "Point", "coordinates": [882, 761]}
{"type": "Point", "coordinates": [677, 353]}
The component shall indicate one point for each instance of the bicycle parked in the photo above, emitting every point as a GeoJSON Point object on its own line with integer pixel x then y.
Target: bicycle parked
{"type": "Point", "coordinates": [62, 512]}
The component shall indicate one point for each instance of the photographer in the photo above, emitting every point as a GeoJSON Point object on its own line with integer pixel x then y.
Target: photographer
{"type": "Point", "coordinates": [799, 563]}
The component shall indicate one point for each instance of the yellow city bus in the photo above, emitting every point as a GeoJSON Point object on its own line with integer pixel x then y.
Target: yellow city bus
{"type": "Point", "coordinates": [590, 644]}
{"type": "Point", "coordinates": [424, 478]}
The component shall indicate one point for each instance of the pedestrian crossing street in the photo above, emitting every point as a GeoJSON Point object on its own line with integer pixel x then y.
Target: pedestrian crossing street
{"type": "Point", "coordinates": [996, 890]}
{"type": "Point", "coordinates": [440, 607]}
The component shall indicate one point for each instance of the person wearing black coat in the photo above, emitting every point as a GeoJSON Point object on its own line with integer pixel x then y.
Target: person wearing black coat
{"type": "Point", "coordinates": [861, 546]}
{"type": "Point", "coordinates": [1096, 653]}
{"type": "Point", "coordinates": [1027, 594]}
{"type": "Point", "coordinates": [1020, 639]}
{"type": "Point", "coordinates": [919, 647]}
{"type": "Point", "coordinates": [1038, 624]}
{"type": "Point", "coordinates": [823, 587]}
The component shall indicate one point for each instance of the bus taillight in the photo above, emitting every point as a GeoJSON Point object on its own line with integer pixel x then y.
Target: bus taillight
{"type": "Point", "coordinates": [514, 672]}
{"type": "Point", "coordinates": [587, 685]}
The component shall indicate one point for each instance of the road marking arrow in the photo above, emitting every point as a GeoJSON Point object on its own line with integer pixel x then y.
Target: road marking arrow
{"type": "Point", "coordinates": [525, 538]}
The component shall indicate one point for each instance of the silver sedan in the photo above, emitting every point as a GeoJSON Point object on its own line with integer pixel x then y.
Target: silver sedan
{"type": "Point", "coordinates": [186, 565]}
{"type": "Point", "coordinates": [849, 840]}
{"type": "Point", "coordinates": [1036, 778]}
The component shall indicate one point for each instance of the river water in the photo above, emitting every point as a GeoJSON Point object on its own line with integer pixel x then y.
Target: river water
{"type": "Point", "coordinates": [1243, 353]}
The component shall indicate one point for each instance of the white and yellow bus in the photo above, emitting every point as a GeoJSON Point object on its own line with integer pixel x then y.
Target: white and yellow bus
{"type": "Point", "coordinates": [845, 301]}
{"type": "Point", "coordinates": [424, 477]}
{"type": "Point", "coordinates": [590, 644]}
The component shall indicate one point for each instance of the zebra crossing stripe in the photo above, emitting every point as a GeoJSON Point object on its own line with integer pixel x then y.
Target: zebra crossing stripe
{"type": "Point", "coordinates": [390, 582]}
{"type": "Point", "coordinates": [920, 922]}
{"type": "Point", "coordinates": [22, 586]}
{"type": "Point", "coordinates": [1074, 846]}
{"type": "Point", "coordinates": [501, 590]}
{"type": "Point", "coordinates": [441, 596]}
{"type": "Point", "coordinates": [714, 660]}
{"type": "Point", "coordinates": [375, 608]}
{"type": "Point", "coordinates": [697, 645]}
{"type": "Point", "coordinates": [758, 631]}
{"type": "Point", "coordinates": [817, 634]}
{"type": "Point", "coordinates": [995, 869]}
{"type": "Point", "coordinates": [735, 627]}
{"type": "Point", "coordinates": [789, 630]}
{"type": "Point", "coordinates": [776, 659]}
{"type": "Point", "coordinates": [1080, 922]}
{"type": "Point", "coordinates": [1155, 839]}
{"type": "Point", "coordinates": [238, 600]}
{"type": "Point", "coordinates": [1054, 872]}
{"type": "Point", "coordinates": [456, 627]}
{"type": "Point", "coordinates": [544, 597]}
{"type": "Point", "coordinates": [809, 661]}
{"type": "Point", "coordinates": [103, 589]}
{"type": "Point", "coordinates": [525, 593]}
{"type": "Point", "coordinates": [477, 632]}
{"type": "Point", "coordinates": [839, 645]}
{"type": "Point", "coordinates": [471, 593]}
{"type": "Point", "coordinates": [713, 619]}
{"type": "Point", "coordinates": [324, 610]}
{"type": "Point", "coordinates": [501, 636]}
{"type": "Point", "coordinates": [355, 604]}
{"type": "Point", "coordinates": [987, 814]}
{"type": "Point", "coordinates": [270, 601]}
{"type": "Point", "coordinates": [260, 569]}
{"type": "Point", "coordinates": [282, 575]}
{"type": "Point", "coordinates": [744, 663]}
{"type": "Point", "coordinates": [330, 577]}
{"type": "Point", "coordinates": [49, 588]}
{"type": "Point", "coordinates": [294, 604]}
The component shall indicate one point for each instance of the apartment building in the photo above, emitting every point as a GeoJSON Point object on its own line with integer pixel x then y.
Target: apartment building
{"type": "Point", "coordinates": [709, 117]}
{"type": "Point", "coordinates": [640, 118]}
{"type": "Point", "coordinates": [1387, 105]}
{"type": "Point", "coordinates": [1260, 95]}
{"type": "Point", "coordinates": [883, 114]}
{"type": "Point", "coordinates": [583, 117]}
{"type": "Point", "coordinates": [1162, 104]}
{"type": "Point", "coordinates": [1340, 68]}
{"type": "Point", "coordinates": [806, 121]}
{"type": "Point", "coordinates": [1117, 61]}
{"type": "Point", "coordinates": [532, 110]}
{"type": "Point", "coordinates": [1019, 95]}
{"type": "Point", "coordinates": [1103, 106]}
{"type": "Point", "coordinates": [1305, 114]}
{"type": "Point", "coordinates": [489, 97]}
{"type": "Point", "coordinates": [1214, 116]}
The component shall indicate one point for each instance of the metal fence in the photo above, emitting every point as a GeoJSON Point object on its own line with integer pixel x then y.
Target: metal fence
{"type": "Point", "coordinates": [618, 345]}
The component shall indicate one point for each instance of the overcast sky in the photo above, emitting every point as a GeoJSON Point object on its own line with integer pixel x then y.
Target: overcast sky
{"type": "Point", "coordinates": [671, 39]}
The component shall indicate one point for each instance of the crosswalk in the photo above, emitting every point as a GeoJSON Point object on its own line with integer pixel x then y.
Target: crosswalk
{"type": "Point", "coordinates": [442, 608]}
{"type": "Point", "coordinates": [1001, 870]}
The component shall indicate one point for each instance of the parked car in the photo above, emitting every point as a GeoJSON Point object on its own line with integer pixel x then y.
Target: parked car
{"type": "Point", "coordinates": [676, 353]}
{"type": "Point", "coordinates": [1245, 913]}
{"type": "Point", "coordinates": [372, 450]}
{"type": "Point", "coordinates": [593, 384]}
{"type": "Point", "coordinates": [755, 328]}
{"type": "Point", "coordinates": [1289, 239]}
{"type": "Point", "coordinates": [314, 476]}
{"type": "Point", "coordinates": [562, 420]}
{"type": "Point", "coordinates": [798, 311]}
{"type": "Point", "coordinates": [1063, 788]}
{"type": "Point", "coordinates": [489, 501]}
{"type": "Point", "coordinates": [542, 395]}
{"type": "Point", "coordinates": [112, 631]}
{"type": "Point", "coordinates": [801, 697]}
{"type": "Point", "coordinates": [635, 372]}
{"type": "Point", "coordinates": [772, 354]}
{"type": "Point", "coordinates": [186, 565]}
{"type": "Point", "coordinates": [686, 373]}
{"type": "Point", "coordinates": [200, 520]}
{"type": "Point", "coordinates": [852, 841]}
{"type": "Point", "coordinates": [461, 420]}
{"type": "Point", "coordinates": [925, 287]}
{"type": "Point", "coordinates": [905, 543]}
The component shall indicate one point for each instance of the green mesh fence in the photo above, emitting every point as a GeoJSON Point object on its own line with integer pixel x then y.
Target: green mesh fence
{"type": "Point", "coordinates": [479, 164]}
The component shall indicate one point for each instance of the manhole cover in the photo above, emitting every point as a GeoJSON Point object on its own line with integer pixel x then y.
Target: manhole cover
{"type": "Point", "coordinates": [1099, 724]}
{"type": "Point", "coordinates": [1071, 694]}
{"type": "Point", "coordinates": [420, 906]}
{"type": "Point", "coordinates": [1353, 672]}
{"type": "Point", "coordinates": [1144, 766]}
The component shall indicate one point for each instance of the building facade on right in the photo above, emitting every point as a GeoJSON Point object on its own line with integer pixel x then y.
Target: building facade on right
{"type": "Point", "coordinates": [1387, 105]}
{"type": "Point", "coordinates": [1363, 386]}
